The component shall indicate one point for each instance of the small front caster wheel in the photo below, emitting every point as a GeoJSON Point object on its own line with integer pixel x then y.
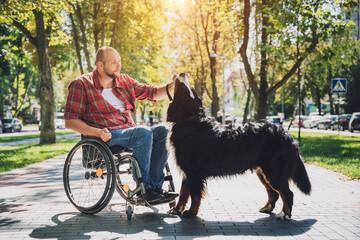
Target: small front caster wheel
{"type": "Point", "coordinates": [129, 212]}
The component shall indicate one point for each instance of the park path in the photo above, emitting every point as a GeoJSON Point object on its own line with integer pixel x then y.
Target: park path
{"type": "Point", "coordinates": [33, 205]}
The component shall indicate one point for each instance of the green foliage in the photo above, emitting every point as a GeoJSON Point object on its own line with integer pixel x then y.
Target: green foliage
{"type": "Point", "coordinates": [22, 55]}
{"type": "Point", "coordinates": [191, 32]}
{"type": "Point", "coordinates": [327, 21]}
{"type": "Point", "coordinates": [16, 71]}
{"type": "Point", "coordinates": [293, 23]}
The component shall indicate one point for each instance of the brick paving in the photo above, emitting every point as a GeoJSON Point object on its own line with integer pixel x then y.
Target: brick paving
{"type": "Point", "coordinates": [33, 205]}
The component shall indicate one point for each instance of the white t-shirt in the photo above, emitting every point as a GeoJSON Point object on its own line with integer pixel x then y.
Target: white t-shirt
{"type": "Point", "coordinates": [109, 96]}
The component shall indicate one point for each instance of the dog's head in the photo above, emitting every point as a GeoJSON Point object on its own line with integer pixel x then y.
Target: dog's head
{"type": "Point", "coordinates": [186, 104]}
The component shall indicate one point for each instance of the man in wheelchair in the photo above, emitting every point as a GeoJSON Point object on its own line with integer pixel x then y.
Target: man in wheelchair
{"type": "Point", "coordinates": [100, 104]}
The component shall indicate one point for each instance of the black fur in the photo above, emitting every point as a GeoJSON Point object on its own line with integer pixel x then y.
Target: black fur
{"type": "Point", "coordinates": [204, 148]}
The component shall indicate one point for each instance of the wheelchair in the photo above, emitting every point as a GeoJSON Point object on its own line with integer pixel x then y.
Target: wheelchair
{"type": "Point", "coordinates": [93, 170]}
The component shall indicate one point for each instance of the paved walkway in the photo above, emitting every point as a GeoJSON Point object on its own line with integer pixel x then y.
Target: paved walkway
{"type": "Point", "coordinates": [33, 205]}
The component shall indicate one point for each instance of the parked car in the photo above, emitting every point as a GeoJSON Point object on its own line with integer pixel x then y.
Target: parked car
{"type": "Point", "coordinates": [312, 121]}
{"type": "Point", "coordinates": [295, 122]}
{"type": "Point", "coordinates": [58, 123]}
{"type": "Point", "coordinates": [11, 125]}
{"type": "Point", "coordinates": [354, 123]}
{"type": "Point", "coordinates": [274, 119]}
{"type": "Point", "coordinates": [342, 122]}
{"type": "Point", "coordinates": [326, 121]}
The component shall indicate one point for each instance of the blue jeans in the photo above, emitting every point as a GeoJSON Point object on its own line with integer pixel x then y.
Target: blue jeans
{"type": "Point", "coordinates": [149, 148]}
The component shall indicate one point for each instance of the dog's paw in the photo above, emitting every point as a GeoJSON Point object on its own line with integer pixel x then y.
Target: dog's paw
{"type": "Point", "coordinates": [188, 214]}
{"type": "Point", "coordinates": [175, 211]}
{"type": "Point", "coordinates": [266, 209]}
{"type": "Point", "coordinates": [282, 216]}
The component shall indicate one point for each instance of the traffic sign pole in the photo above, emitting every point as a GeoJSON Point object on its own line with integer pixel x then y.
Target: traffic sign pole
{"type": "Point", "coordinates": [338, 85]}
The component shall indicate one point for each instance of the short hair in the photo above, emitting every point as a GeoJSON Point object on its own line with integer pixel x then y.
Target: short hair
{"type": "Point", "coordinates": [100, 54]}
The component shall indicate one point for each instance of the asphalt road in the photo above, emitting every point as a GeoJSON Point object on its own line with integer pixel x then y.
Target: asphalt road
{"type": "Point", "coordinates": [27, 131]}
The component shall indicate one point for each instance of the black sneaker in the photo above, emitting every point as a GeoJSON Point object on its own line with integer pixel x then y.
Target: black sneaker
{"type": "Point", "coordinates": [153, 197]}
{"type": "Point", "coordinates": [168, 195]}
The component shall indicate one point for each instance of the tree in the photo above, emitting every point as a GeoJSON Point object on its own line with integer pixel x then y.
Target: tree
{"type": "Point", "coordinates": [133, 28]}
{"type": "Point", "coordinates": [38, 20]}
{"type": "Point", "coordinates": [288, 31]}
{"type": "Point", "coordinates": [77, 7]}
{"type": "Point", "coordinates": [204, 28]}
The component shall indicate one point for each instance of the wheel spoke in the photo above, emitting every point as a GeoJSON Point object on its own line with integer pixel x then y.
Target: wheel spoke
{"type": "Point", "coordinates": [86, 190]}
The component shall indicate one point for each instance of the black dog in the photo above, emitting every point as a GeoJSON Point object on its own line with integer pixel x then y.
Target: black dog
{"type": "Point", "coordinates": [203, 148]}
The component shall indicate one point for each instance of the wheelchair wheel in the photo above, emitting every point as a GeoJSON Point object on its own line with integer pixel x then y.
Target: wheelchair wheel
{"type": "Point", "coordinates": [89, 177]}
{"type": "Point", "coordinates": [124, 178]}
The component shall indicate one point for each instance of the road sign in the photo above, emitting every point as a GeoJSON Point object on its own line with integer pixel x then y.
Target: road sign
{"type": "Point", "coordinates": [338, 85]}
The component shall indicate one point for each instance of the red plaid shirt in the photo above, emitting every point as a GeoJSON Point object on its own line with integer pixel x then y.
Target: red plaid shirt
{"type": "Point", "coordinates": [86, 103]}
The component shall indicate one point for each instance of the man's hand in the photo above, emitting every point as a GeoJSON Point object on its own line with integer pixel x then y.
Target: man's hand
{"type": "Point", "coordinates": [105, 134]}
{"type": "Point", "coordinates": [172, 84]}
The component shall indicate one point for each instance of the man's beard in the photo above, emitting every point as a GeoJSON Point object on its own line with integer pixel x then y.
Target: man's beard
{"type": "Point", "coordinates": [112, 75]}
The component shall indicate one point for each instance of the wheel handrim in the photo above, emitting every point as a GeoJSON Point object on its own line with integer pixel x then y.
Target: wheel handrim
{"type": "Point", "coordinates": [87, 189]}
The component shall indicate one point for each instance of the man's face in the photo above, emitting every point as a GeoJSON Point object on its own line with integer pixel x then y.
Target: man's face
{"type": "Point", "coordinates": [112, 64]}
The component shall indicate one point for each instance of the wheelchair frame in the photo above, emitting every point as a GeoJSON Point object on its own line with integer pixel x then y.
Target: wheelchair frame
{"type": "Point", "coordinates": [93, 170]}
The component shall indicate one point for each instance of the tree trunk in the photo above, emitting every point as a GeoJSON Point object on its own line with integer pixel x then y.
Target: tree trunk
{"type": "Point", "coordinates": [263, 91]}
{"type": "Point", "coordinates": [197, 81]}
{"type": "Point", "coordinates": [329, 77]}
{"type": "Point", "coordinates": [331, 100]}
{"type": "Point", "coordinates": [83, 35]}
{"type": "Point", "coordinates": [243, 50]}
{"type": "Point", "coordinates": [200, 76]}
{"type": "Point", "coordinates": [215, 97]}
{"type": "Point", "coordinates": [247, 104]}
{"type": "Point", "coordinates": [47, 133]}
{"type": "Point", "coordinates": [17, 85]}
{"type": "Point", "coordinates": [76, 41]}
{"type": "Point", "coordinates": [117, 15]}
{"type": "Point", "coordinates": [318, 98]}
{"type": "Point", "coordinates": [205, 24]}
{"type": "Point", "coordinates": [102, 33]}
{"type": "Point", "coordinates": [262, 103]}
{"type": "Point", "coordinates": [262, 106]}
{"type": "Point", "coordinates": [17, 110]}
{"type": "Point", "coordinates": [97, 25]}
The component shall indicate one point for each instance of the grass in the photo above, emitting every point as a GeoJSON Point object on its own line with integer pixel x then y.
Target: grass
{"type": "Point", "coordinates": [22, 155]}
{"type": "Point", "coordinates": [18, 138]}
{"type": "Point", "coordinates": [335, 152]}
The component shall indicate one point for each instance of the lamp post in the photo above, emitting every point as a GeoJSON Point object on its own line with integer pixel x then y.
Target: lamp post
{"type": "Point", "coordinates": [215, 55]}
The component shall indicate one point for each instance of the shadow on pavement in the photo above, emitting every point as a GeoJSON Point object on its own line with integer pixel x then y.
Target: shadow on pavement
{"type": "Point", "coordinates": [74, 224]}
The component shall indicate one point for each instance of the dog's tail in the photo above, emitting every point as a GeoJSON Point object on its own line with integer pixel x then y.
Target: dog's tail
{"type": "Point", "coordinates": [301, 177]}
